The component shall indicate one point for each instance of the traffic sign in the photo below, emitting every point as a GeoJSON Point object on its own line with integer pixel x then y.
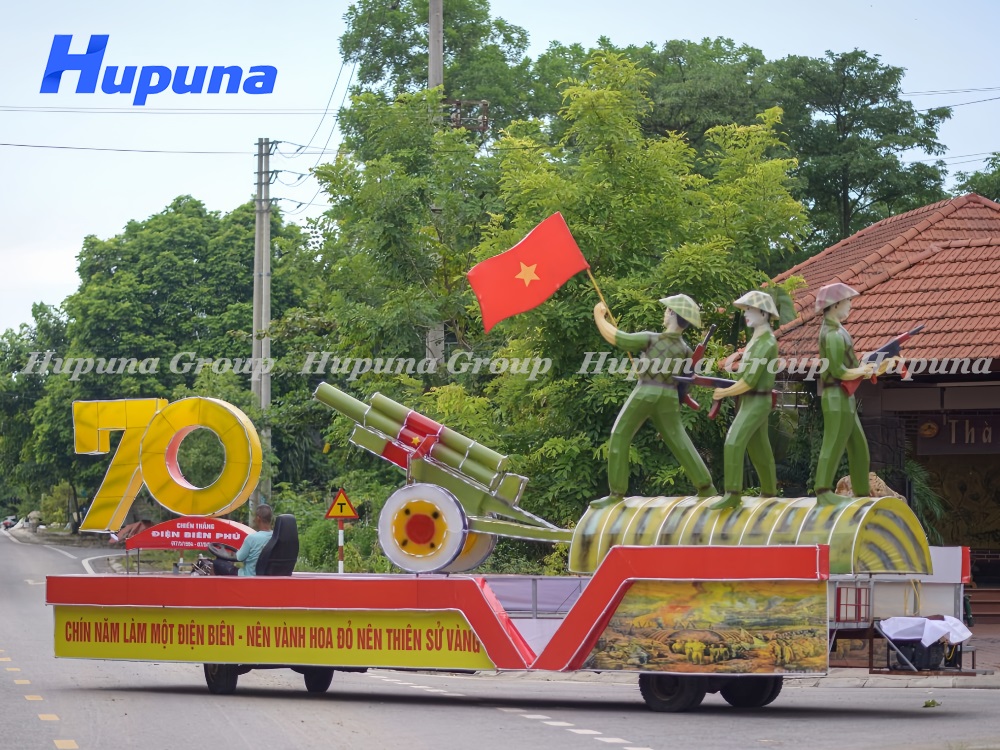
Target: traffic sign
{"type": "Point", "coordinates": [341, 508]}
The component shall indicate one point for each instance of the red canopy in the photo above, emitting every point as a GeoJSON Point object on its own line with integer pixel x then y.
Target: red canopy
{"type": "Point", "coordinates": [190, 532]}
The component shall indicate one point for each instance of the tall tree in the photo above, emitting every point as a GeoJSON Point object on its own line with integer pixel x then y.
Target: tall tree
{"type": "Point", "coordinates": [849, 126]}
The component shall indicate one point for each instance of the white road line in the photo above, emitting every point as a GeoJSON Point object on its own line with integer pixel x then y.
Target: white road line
{"type": "Point", "coordinates": [511, 710]}
{"type": "Point", "coordinates": [614, 740]}
{"type": "Point", "coordinates": [60, 551]}
{"type": "Point", "coordinates": [90, 570]}
{"type": "Point", "coordinates": [583, 731]}
{"type": "Point", "coordinates": [11, 536]}
{"type": "Point", "coordinates": [637, 748]}
{"type": "Point", "coordinates": [535, 716]}
{"type": "Point", "coordinates": [558, 723]}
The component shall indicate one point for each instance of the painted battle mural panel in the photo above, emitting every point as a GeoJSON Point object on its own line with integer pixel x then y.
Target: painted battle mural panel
{"type": "Point", "coordinates": [717, 627]}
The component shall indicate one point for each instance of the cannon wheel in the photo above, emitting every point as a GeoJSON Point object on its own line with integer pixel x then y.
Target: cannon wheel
{"type": "Point", "coordinates": [422, 528]}
{"type": "Point", "coordinates": [667, 692]}
{"type": "Point", "coordinates": [477, 548]}
{"type": "Point", "coordinates": [751, 692]}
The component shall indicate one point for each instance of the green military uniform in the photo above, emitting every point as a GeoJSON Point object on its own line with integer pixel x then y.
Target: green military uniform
{"type": "Point", "coordinates": [654, 398]}
{"type": "Point", "coordinates": [748, 433]}
{"type": "Point", "coordinates": [841, 426]}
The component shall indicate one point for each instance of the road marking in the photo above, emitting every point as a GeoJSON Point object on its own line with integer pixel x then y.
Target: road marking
{"type": "Point", "coordinates": [48, 717]}
{"type": "Point", "coordinates": [558, 723]}
{"type": "Point", "coordinates": [34, 583]}
{"type": "Point", "coordinates": [33, 698]}
{"type": "Point", "coordinates": [66, 745]}
{"type": "Point", "coordinates": [616, 740]}
{"type": "Point", "coordinates": [13, 669]}
{"type": "Point", "coordinates": [511, 710]}
{"type": "Point", "coordinates": [60, 551]}
{"type": "Point", "coordinates": [583, 731]}
{"type": "Point", "coordinates": [12, 537]}
{"type": "Point", "coordinates": [22, 682]}
{"type": "Point", "coordinates": [638, 748]}
{"type": "Point", "coordinates": [535, 716]}
{"type": "Point", "coordinates": [90, 570]}
{"type": "Point", "coordinates": [435, 690]}
{"type": "Point", "coordinates": [4, 658]}
{"type": "Point", "coordinates": [455, 695]}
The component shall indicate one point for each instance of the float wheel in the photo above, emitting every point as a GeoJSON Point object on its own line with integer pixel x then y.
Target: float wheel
{"type": "Point", "coordinates": [318, 679]}
{"type": "Point", "coordinates": [422, 528]}
{"type": "Point", "coordinates": [670, 693]}
{"type": "Point", "coordinates": [751, 692]}
{"type": "Point", "coordinates": [221, 678]}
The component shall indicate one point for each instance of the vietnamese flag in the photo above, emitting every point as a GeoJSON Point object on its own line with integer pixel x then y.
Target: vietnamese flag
{"type": "Point", "coordinates": [529, 273]}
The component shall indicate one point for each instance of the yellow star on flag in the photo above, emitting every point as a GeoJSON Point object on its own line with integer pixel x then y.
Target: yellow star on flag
{"type": "Point", "coordinates": [415, 440]}
{"type": "Point", "coordinates": [527, 274]}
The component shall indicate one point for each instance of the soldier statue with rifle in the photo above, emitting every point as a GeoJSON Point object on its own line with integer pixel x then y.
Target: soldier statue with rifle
{"type": "Point", "coordinates": [748, 433]}
{"type": "Point", "coordinates": [655, 397]}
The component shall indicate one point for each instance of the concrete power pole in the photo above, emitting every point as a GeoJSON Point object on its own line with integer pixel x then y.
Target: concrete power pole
{"type": "Point", "coordinates": [434, 345]}
{"type": "Point", "coordinates": [260, 386]}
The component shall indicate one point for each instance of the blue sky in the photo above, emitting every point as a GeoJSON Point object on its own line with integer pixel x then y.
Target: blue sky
{"type": "Point", "coordinates": [53, 198]}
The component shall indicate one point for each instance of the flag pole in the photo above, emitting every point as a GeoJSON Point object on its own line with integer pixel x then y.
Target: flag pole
{"type": "Point", "coordinates": [606, 307]}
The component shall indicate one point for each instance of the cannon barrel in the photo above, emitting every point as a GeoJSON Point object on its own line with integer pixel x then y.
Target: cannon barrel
{"type": "Point", "coordinates": [410, 430]}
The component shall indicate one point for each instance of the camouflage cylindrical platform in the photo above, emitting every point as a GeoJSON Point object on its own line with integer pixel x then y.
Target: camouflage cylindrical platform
{"type": "Point", "coordinates": [868, 535]}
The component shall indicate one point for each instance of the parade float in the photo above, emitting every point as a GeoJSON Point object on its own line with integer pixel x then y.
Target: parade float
{"type": "Point", "coordinates": [709, 592]}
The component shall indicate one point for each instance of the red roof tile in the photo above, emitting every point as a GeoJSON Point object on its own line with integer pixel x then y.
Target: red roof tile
{"type": "Point", "coordinates": [938, 265]}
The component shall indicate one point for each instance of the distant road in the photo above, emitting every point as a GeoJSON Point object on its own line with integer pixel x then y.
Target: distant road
{"type": "Point", "coordinates": [48, 703]}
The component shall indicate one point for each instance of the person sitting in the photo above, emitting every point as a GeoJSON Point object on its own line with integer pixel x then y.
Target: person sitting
{"type": "Point", "coordinates": [249, 552]}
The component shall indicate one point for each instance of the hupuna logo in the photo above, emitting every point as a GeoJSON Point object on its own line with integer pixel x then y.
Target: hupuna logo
{"type": "Point", "coordinates": [152, 79]}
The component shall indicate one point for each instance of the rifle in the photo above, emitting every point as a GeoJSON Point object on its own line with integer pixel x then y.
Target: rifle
{"type": "Point", "coordinates": [699, 352]}
{"type": "Point", "coordinates": [707, 381]}
{"type": "Point", "coordinates": [886, 351]}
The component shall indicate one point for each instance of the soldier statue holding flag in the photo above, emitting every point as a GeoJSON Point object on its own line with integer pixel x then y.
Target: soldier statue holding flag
{"type": "Point", "coordinates": [654, 398]}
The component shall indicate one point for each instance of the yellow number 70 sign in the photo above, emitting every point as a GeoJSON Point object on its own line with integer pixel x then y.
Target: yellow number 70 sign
{"type": "Point", "coordinates": [147, 454]}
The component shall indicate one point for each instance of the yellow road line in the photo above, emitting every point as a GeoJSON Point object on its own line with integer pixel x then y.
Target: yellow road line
{"type": "Point", "coordinates": [48, 717]}
{"type": "Point", "coordinates": [66, 745]}
{"type": "Point", "coordinates": [33, 698]}
{"type": "Point", "coordinates": [22, 682]}
{"type": "Point", "coordinates": [13, 669]}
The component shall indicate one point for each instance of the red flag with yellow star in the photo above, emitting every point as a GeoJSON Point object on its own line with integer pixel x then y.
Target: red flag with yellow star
{"type": "Point", "coordinates": [529, 273]}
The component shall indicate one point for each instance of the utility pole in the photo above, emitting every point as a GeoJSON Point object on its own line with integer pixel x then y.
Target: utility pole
{"type": "Point", "coordinates": [435, 45]}
{"type": "Point", "coordinates": [434, 343]}
{"type": "Point", "coordinates": [260, 380]}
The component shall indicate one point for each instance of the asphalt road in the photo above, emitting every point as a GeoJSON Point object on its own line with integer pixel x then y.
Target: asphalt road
{"type": "Point", "coordinates": [94, 705]}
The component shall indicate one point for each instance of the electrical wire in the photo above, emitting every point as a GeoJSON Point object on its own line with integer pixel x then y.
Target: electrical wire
{"type": "Point", "coordinates": [125, 150]}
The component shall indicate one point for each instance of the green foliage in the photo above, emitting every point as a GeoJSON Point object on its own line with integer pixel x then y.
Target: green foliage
{"type": "Point", "coordinates": [927, 505]}
{"type": "Point", "coordinates": [56, 503]}
{"type": "Point", "coordinates": [985, 181]}
{"type": "Point", "coordinates": [849, 126]}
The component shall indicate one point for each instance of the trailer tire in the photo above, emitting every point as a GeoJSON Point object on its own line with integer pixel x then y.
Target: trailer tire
{"type": "Point", "coordinates": [670, 693]}
{"type": "Point", "coordinates": [221, 678]}
{"type": "Point", "coordinates": [318, 679]}
{"type": "Point", "coordinates": [751, 692]}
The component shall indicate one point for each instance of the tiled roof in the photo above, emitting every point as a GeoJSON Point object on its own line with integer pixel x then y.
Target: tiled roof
{"type": "Point", "coordinates": [938, 265]}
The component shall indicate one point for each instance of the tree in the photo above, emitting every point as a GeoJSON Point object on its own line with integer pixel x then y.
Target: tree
{"type": "Point", "coordinates": [483, 56]}
{"type": "Point", "coordinates": [985, 181]}
{"type": "Point", "coordinates": [849, 127]}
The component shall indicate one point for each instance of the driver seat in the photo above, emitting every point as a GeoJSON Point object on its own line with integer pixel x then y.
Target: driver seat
{"type": "Point", "coordinates": [280, 554]}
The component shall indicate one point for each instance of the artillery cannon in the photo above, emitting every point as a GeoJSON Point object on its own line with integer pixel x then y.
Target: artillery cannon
{"type": "Point", "coordinates": [458, 495]}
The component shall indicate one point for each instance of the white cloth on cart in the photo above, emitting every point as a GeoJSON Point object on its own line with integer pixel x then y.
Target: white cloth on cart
{"type": "Point", "coordinates": [926, 631]}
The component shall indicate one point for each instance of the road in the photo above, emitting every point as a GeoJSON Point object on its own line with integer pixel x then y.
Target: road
{"type": "Point", "coordinates": [47, 703]}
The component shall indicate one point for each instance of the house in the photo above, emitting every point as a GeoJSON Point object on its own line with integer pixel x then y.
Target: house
{"type": "Point", "coordinates": [938, 265]}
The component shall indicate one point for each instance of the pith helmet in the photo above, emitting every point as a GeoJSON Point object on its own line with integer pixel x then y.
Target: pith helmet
{"type": "Point", "coordinates": [831, 294]}
{"type": "Point", "coordinates": [685, 307]}
{"type": "Point", "coordinates": [759, 300]}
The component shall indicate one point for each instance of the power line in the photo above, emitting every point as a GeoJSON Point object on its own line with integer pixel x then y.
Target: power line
{"type": "Point", "coordinates": [124, 150]}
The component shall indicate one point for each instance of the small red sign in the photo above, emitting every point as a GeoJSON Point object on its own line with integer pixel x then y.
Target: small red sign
{"type": "Point", "coordinates": [190, 532]}
{"type": "Point", "coordinates": [341, 508]}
